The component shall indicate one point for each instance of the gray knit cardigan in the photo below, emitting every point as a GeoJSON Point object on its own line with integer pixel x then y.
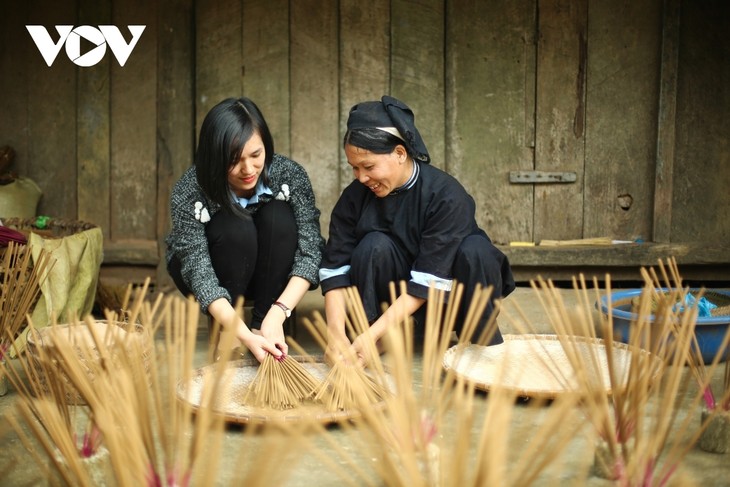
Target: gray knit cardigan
{"type": "Point", "coordinates": [288, 181]}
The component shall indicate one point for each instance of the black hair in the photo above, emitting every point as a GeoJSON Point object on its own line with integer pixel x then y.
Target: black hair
{"type": "Point", "coordinates": [224, 132]}
{"type": "Point", "coordinates": [374, 140]}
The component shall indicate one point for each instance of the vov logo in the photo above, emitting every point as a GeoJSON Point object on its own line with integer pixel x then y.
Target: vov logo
{"type": "Point", "coordinates": [71, 36]}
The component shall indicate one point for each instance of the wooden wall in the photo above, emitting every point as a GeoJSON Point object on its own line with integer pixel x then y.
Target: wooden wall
{"type": "Point", "coordinates": [631, 97]}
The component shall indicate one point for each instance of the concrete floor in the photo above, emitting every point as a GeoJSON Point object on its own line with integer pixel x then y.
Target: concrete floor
{"type": "Point", "coordinates": [242, 453]}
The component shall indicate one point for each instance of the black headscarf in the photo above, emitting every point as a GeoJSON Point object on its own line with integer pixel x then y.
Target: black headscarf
{"type": "Point", "coordinates": [390, 112]}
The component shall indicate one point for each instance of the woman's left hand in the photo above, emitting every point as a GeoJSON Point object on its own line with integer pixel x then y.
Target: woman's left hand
{"type": "Point", "coordinates": [361, 349]}
{"type": "Point", "coordinates": [272, 328]}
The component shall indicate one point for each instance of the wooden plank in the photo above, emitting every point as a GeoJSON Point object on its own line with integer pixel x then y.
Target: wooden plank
{"type": "Point", "coordinates": [417, 67]}
{"type": "Point", "coordinates": [134, 128]}
{"type": "Point", "coordinates": [695, 275]}
{"type": "Point", "coordinates": [701, 200]}
{"type": "Point", "coordinates": [52, 116]}
{"type": "Point", "coordinates": [488, 46]}
{"type": "Point", "coordinates": [560, 112]}
{"type": "Point", "coordinates": [17, 51]}
{"type": "Point", "coordinates": [364, 66]}
{"type": "Point", "coordinates": [646, 254]}
{"type": "Point", "coordinates": [123, 275]}
{"type": "Point", "coordinates": [93, 127]}
{"type": "Point", "coordinates": [530, 63]}
{"type": "Point", "coordinates": [218, 59]}
{"type": "Point", "coordinates": [314, 73]}
{"type": "Point", "coordinates": [176, 106]}
{"type": "Point", "coordinates": [131, 252]}
{"type": "Point", "coordinates": [623, 66]}
{"type": "Point", "coordinates": [662, 223]}
{"type": "Point", "coordinates": [266, 64]}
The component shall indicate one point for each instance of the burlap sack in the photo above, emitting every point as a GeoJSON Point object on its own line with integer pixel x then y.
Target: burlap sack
{"type": "Point", "coordinates": [19, 198]}
{"type": "Point", "coordinates": [70, 289]}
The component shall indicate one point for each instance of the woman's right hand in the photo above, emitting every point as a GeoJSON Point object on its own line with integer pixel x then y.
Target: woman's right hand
{"type": "Point", "coordinates": [259, 346]}
{"type": "Point", "coordinates": [337, 346]}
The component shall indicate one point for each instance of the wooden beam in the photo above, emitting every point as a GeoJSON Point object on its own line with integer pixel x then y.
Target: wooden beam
{"type": "Point", "coordinates": [364, 47]}
{"type": "Point", "coordinates": [218, 58]}
{"type": "Point", "coordinates": [131, 252]}
{"type": "Point", "coordinates": [700, 275]}
{"type": "Point", "coordinates": [314, 73]}
{"type": "Point", "coordinates": [620, 255]}
{"type": "Point", "coordinates": [265, 61]}
{"type": "Point", "coordinates": [417, 29]}
{"type": "Point", "coordinates": [699, 262]}
{"type": "Point", "coordinates": [175, 107]}
{"type": "Point", "coordinates": [93, 128]}
{"type": "Point", "coordinates": [560, 116]}
{"type": "Point", "coordinates": [51, 111]}
{"type": "Point", "coordinates": [133, 182]}
{"type": "Point", "coordinates": [662, 222]}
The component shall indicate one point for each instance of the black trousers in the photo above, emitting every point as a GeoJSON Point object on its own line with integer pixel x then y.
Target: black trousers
{"type": "Point", "coordinates": [377, 261]}
{"type": "Point", "coordinates": [252, 256]}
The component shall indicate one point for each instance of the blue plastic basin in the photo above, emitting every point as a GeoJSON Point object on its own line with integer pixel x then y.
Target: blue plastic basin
{"type": "Point", "coordinates": [709, 331]}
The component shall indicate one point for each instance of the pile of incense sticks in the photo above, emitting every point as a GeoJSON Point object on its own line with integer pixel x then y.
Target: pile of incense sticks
{"type": "Point", "coordinates": [434, 428]}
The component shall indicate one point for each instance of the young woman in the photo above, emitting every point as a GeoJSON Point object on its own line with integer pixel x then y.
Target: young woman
{"type": "Point", "coordinates": [244, 223]}
{"type": "Point", "coordinates": [402, 220]}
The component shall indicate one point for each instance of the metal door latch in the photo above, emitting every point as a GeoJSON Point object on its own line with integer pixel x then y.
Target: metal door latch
{"type": "Point", "coordinates": [541, 177]}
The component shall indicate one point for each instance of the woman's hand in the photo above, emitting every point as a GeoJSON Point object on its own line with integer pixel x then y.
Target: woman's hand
{"type": "Point", "coordinates": [272, 328]}
{"type": "Point", "coordinates": [260, 346]}
{"type": "Point", "coordinates": [363, 349]}
{"type": "Point", "coordinates": [336, 349]}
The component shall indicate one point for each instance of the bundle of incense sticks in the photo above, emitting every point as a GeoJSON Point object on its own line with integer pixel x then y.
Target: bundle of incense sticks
{"type": "Point", "coordinates": [714, 399]}
{"type": "Point", "coordinates": [280, 383]}
{"type": "Point", "coordinates": [20, 286]}
{"type": "Point", "coordinates": [632, 438]}
{"type": "Point", "coordinates": [347, 384]}
{"type": "Point", "coordinates": [67, 432]}
{"type": "Point", "coordinates": [158, 443]}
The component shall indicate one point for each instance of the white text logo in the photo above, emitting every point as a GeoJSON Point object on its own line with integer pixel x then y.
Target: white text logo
{"type": "Point", "coordinates": [71, 36]}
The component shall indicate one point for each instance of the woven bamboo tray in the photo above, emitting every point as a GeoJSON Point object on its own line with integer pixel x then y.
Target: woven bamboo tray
{"type": "Point", "coordinates": [118, 337]}
{"type": "Point", "coordinates": [239, 375]}
{"type": "Point", "coordinates": [537, 366]}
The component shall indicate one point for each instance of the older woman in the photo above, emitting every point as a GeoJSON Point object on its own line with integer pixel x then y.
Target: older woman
{"type": "Point", "coordinates": [402, 220]}
{"type": "Point", "coordinates": [244, 223]}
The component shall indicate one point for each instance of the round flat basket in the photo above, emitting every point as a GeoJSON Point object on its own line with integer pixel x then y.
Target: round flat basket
{"type": "Point", "coordinates": [240, 374]}
{"type": "Point", "coordinates": [538, 366]}
{"type": "Point", "coordinates": [117, 336]}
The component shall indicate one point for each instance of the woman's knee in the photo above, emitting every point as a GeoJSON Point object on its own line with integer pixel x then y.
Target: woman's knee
{"type": "Point", "coordinates": [230, 231]}
{"type": "Point", "coordinates": [275, 222]}
{"type": "Point", "coordinates": [472, 248]}
{"type": "Point", "coordinates": [477, 255]}
{"type": "Point", "coordinates": [479, 261]}
{"type": "Point", "coordinates": [372, 247]}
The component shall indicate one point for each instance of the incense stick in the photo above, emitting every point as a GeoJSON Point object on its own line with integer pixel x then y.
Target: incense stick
{"type": "Point", "coordinates": [19, 289]}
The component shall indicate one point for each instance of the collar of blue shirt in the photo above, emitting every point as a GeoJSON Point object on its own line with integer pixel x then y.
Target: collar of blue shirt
{"type": "Point", "coordinates": [261, 189]}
